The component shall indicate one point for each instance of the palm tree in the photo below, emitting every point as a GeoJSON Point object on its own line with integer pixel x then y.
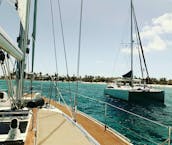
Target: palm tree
{"type": "Point", "coordinates": [40, 76]}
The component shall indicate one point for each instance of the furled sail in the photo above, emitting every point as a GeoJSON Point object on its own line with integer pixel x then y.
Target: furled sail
{"type": "Point", "coordinates": [22, 8]}
{"type": "Point", "coordinates": [127, 75]}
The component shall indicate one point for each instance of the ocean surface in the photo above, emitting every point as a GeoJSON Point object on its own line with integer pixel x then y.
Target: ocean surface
{"type": "Point", "coordinates": [90, 100]}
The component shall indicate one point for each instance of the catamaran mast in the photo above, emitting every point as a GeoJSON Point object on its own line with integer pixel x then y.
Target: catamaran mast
{"type": "Point", "coordinates": [131, 44]}
{"type": "Point", "coordinates": [133, 16]}
{"type": "Point", "coordinates": [140, 44]}
{"type": "Point", "coordinates": [22, 43]}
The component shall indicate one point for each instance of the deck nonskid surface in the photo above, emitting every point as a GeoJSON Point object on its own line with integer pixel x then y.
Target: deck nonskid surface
{"type": "Point", "coordinates": [54, 129]}
{"type": "Point", "coordinates": [96, 130]}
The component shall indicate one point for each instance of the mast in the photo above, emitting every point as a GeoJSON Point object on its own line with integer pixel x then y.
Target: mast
{"type": "Point", "coordinates": [22, 43]}
{"type": "Point", "coordinates": [140, 44]}
{"type": "Point", "coordinates": [33, 40]}
{"type": "Point", "coordinates": [34, 33]}
{"type": "Point", "coordinates": [131, 37]}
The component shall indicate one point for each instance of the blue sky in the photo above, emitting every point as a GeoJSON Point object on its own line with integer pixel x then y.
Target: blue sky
{"type": "Point", "coordinates": [105, 35]}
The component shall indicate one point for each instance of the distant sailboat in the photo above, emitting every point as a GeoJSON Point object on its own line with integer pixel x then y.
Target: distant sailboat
{"type": "Point", "coordinates": [130, 89]}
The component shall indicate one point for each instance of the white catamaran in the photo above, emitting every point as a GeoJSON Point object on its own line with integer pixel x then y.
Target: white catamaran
{"type": "Point", "coordinates": [129, 89]}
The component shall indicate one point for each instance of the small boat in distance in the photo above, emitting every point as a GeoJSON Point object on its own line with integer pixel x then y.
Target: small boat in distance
{"type": "Point", "coordinates": [136, 90]}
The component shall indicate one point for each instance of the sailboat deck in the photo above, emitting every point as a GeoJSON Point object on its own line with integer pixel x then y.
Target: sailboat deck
{"type": "Point", "coordinates": [54, 129]}
{"type": "Point", "coordinates": [96, 130]}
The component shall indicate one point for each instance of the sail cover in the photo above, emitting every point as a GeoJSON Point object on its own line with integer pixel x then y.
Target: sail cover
{"type": "Point", "coordinates": [127, 75]}
{"type": "Point", "coordinates": [22, 8]}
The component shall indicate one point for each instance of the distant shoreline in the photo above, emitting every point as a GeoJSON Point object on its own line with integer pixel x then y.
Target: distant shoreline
{"type": "Point", "coordinates": [105, 83]}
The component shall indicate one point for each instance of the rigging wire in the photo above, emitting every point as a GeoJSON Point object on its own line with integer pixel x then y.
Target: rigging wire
{"type": "Point", "coordinates": [140, 60]}
{"type": "Point", "coordinates": [53, 31]}
{"type": "Point", "coordinates": [122, 45]}
{"type": "Point", "coordinates": [61, 96]}
{"type": "Point", "coordinates": [33, 45]}
{"type": "Point", "coordinates": [28, 63]}
{"type": "Point", "coordinates": [137, 39]}
{"type": "Point", "coordinates": [54, 42]}
{"type": "Point", "coordinates": [14, 66]}
{"type": "Point", "coordinates": [140, 43]}
{"type": "Point", "coordinates": [131, 45]}
{"type": "Point", "coordinates": [64, 48]}
{"type": "Point", "coordinates": [7, 76]}
{"type": "Point", "coordinates": [64, 45]}
{"type": "Point", "coordinates": [78, 61]}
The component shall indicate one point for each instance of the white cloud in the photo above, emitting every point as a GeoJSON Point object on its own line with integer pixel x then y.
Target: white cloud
{"type": "Point", "coordinates": [164, 22]}
{"type": "Point", "coordinates": [156, 44]}
{"type": "Point", "coordinates": [152, 35]}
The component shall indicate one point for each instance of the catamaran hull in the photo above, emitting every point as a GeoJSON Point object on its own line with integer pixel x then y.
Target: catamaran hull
{"type": "Point", "coordinates": [144, 96]}
{"type": "Point", "coordinates": [116, 93]}
{"type": "Point", "coordinates": [136, 95]}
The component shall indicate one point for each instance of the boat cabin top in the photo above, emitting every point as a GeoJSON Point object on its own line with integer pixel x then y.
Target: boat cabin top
{"type": "Point", "coordinates": [127, 82]}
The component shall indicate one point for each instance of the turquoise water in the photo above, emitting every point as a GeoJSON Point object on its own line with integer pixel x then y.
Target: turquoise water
{"type": "Point", "coordinates": [139, 131]}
